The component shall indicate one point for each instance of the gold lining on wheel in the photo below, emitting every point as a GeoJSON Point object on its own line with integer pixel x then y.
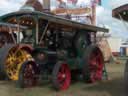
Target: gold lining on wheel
{"type": "Point", "coordinates": [14, 61]}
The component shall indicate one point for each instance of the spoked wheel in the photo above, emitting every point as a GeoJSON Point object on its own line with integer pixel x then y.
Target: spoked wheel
{"type": "Point", "coordinates": [12, 60]}
{"type": "Point", "coordinates": [61, 76]}
{"type": "Point", "coordinates": [28, 76]}
{"type": "Point", "coordinates": [93, 64]}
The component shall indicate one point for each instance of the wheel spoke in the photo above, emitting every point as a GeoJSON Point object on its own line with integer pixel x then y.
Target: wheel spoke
{"type": "Point", "coordinates": [62, 69]}
{"type": "Point", "coordinates": [29, 76]}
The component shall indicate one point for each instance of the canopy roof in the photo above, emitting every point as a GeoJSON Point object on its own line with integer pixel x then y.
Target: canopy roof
{"type": "Point", "coordinates": [12, 25]}
{"type": "Point", "coordinates": [54, 19]}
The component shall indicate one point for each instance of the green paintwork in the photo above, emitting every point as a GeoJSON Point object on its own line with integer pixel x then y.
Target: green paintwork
{"type": "Point", "coordinates": [74, 62]}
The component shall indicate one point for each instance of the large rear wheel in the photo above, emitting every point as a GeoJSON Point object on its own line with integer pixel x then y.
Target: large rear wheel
{"type": "Point", "coordinates": [93, 64]}
{"type": "Point", "coordinates": [12, 59]}
{"type": "Point", "coordinates": [61, 76]}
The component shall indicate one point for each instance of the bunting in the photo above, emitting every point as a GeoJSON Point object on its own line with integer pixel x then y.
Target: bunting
{"type": "Point", "coordinates": [73, 1]}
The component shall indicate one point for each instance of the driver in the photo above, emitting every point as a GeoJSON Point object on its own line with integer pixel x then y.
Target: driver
{"type": "Point", "coordinates": [28, 38]}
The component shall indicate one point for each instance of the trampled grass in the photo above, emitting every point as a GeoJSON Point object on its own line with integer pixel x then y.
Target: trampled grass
{"type": "Point", "coordinates": [112, 87]}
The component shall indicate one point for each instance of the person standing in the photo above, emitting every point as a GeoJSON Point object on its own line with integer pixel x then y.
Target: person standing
{"type": "Point", "coordinates": [62, 4]}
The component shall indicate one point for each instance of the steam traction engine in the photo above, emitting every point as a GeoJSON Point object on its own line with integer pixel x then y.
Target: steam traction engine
{"type": "Point", "coordinates": [47, 46]}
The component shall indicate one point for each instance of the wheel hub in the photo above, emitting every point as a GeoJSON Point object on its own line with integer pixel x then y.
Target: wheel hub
{"type": "Point", "coordinates": [63, 76]}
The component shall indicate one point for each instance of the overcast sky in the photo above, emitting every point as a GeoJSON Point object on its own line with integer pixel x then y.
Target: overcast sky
{"type": "Point", "coordinates": [104, 12]}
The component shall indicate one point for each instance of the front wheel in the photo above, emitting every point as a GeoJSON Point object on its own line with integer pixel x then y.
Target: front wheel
{"type": "Point", "coordinates": [28, 75]}
{"type": "Point", "coordinates": [61, 76]}
{"type": "Point", "coordinates": [93, 64]}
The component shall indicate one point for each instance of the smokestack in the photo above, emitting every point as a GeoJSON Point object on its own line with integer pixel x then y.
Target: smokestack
{"type": "Point", "coordinates": [46, 5]}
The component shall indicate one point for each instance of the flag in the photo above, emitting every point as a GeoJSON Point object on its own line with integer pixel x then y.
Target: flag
{"type": "Point", "coordinates": [99, 2]}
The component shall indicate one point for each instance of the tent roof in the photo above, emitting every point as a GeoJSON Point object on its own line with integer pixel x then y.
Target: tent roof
{"type": "Point", "coordinates": [121, 11]}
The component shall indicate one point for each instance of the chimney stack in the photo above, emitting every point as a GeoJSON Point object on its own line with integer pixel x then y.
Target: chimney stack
{"type": "Point", "coordinates": [46, 5]}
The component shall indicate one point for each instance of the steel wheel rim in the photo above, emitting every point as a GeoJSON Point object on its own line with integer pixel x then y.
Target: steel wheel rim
{"type": "Point", "coordinates": [29, 75]}
{"type": "Point", "coordinates": [13, 62]}
{"type": "Point", "coordinates": [95, 65]}
{"type": "Point", "coordinates": [64, 77]}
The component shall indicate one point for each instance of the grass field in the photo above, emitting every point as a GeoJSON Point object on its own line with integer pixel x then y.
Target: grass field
{"type": "Point", "coordinates": [112, 87]}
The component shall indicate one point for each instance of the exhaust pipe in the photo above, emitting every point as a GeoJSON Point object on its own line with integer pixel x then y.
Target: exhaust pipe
{"type": "Point", "coordinates": [46, 5]}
